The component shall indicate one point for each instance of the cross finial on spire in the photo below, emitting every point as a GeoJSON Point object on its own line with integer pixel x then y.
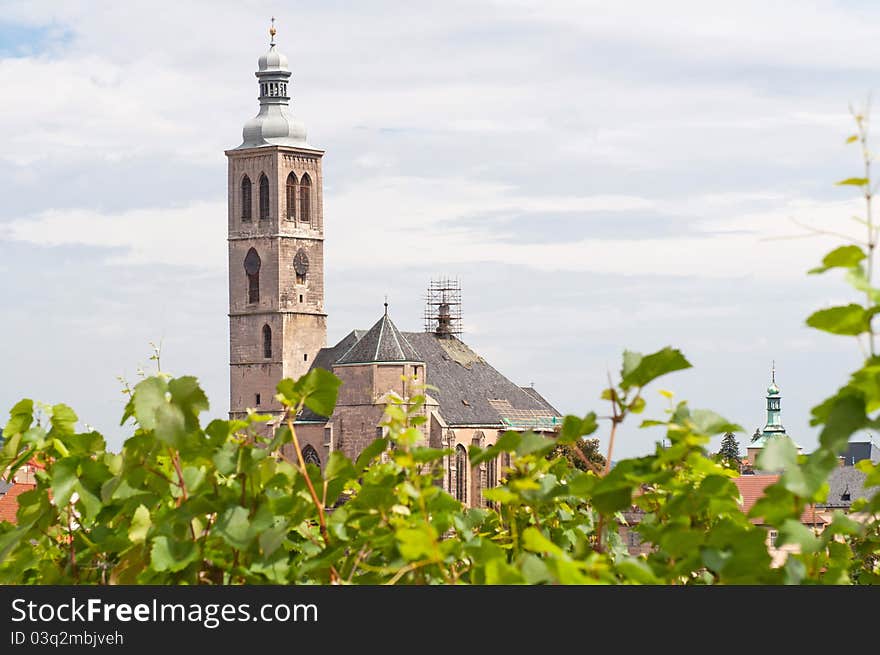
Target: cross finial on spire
{"type": "Point", "coordinates": [773, 372]}
{"type": "Point", "coordinates": [272, 32]}
{"type": "Point", "coordinates": [386, 304]}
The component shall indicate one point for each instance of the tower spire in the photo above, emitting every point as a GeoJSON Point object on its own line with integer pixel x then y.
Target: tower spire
{"type": "Point", "coordinates": [273, 125]}
{"type": "Point", "coordinates": [773, 372]}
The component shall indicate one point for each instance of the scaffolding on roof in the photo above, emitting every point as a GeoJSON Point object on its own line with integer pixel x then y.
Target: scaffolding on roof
{"type": "Point", "coordinates": [443, 307]}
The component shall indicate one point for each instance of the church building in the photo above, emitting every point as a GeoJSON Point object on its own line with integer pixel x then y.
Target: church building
{"type": "Point", "coordinates": [278, 325]}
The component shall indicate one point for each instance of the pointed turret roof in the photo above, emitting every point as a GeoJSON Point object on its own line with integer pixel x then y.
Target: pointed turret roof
{"type": "Point", "coordinates": [382, 343]}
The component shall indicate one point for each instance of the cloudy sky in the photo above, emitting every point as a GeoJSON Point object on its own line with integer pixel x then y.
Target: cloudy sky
{"type": "Point", "coordinates": [599, 176]}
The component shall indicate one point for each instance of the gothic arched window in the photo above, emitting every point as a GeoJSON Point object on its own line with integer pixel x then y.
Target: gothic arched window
{"type": "Point", "coordinates": [246, 198]}
{"type": "Point", "coordinates": [267, 342]}
{"type": "Point", "coordinates": [310, 455]}
{"type": "Point", "coordinates": [305, 193]}
{"type": "Point", "coordinates": [291, 197]}
{"type": "Point", "coordinates": [460, 473]}
{"type": "Point", "coordinates": [264, 198]}
{"type": "Point", "coordinates": [492, 473]}
{"type": "Point", "coordinates": [252, 268]}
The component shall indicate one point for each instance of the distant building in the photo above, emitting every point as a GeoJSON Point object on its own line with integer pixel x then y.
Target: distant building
{"type": "Point", "coordinates": [846, 484]}
{"type": "Point", "coordinates": [10, 491]}
{"type": "Point", "coordinates": [773, 429]}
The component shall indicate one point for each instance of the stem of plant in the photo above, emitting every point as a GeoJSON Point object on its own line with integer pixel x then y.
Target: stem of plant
{"type": "Point", "coordinates": [318, 505]}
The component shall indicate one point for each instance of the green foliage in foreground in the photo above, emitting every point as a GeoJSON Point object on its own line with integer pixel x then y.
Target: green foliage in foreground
{"type": "Point", "coordinates": [187, 503]}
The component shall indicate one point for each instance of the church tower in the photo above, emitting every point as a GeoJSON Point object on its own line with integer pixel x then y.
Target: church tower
{"type": "Point", "coordinates": [277, 322]}
{"type": "Point", "coordinates": [773, 429]}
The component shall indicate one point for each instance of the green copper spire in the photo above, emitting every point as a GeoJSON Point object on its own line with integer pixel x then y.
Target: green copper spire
{"type": "Point", "coordinates": [774, 412]}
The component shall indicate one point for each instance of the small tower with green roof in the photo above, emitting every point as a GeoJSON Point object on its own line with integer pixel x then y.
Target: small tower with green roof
{"type": "Point", "coordinates": [774, 428]}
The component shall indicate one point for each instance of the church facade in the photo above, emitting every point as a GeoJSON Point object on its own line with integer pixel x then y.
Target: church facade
{"type": "Point", "coordinates": [278, 326]}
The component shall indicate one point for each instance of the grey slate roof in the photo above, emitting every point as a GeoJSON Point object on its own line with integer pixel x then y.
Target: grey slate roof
{"type": "Point", "coordinates": [534, 394]}
{"type": "Point", "coordinates": [468, 389]}
{"type": "Point", "coordinates": [4, 487]}
{"type": "Point", "coordinates": [382, 343]}
{"type": "Point", "coordinates": [843, 480]}
{"type": "Point", "coordinates": [466, 383]}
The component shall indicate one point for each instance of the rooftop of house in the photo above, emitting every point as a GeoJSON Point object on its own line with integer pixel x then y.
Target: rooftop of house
{"type": "Point", "coordinates": [751, 488]}
{"type": "Point", "coordinates": [846, 484]}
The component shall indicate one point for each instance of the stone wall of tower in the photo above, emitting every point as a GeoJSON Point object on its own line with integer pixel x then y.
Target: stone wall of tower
{"type": "Point", "coordinates": [291, 307]}
{"type": "Point", "coordinates": [360, 405]}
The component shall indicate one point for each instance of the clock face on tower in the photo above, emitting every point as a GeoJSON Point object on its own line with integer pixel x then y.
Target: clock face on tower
{"type": "Point", "coordinates": [301, 262]}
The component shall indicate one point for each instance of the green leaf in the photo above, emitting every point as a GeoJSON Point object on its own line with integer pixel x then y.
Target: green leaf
{"type": "Point", "coordinates": [63, 422]}
{"type": "Point", "coordinates": [193, 477]}
{"type": "Point", "coordinates": [88, 502]}
{"type": "Point", "coordinates": [271, 539]}
{"type": "Point", "coordinates": [416, 543]}
{"type": "Point", "coordinates": [608, 499]}
{"type": "Point", "coordinates": [842, 257]}
{"type": "Point", "coordinates": [532, 443]}
{"type": "Point", "coordinates": [170, 425]}
{"type": "Point", "coordinates": [536, 542]}
{"type": "Point", "coordinates": [149, 396]}
{"type": "Point", "coordinates": [779, 454]}
{"type": "Point", "coordinates": [500, 572]}
{"type": "Point", "coordinates": [853, 181]}
{"type": "Point", "coordinates": [234, 527]}
{"type": "Point", "coordinates": [793, 531]}
{"type": "Point", "coordinates": [631, 360]}
{"type": "Point", "coordinates": [845, 416]}
{"type": "Point", "coordinates": [573, 427]}
{"type": "Point", "coordinates": [172, 555]}
{"type": "Point", "coordinates": [317, 389]}
{"type": "Point", "coordinates": [339, 466]}
{"type": "Point", "coordinates": [849, 320]}
{"type": "Point", "coordinates": [140, 525]}
{"type": "Point", "coordinates": [369, 453]}
{"type": "Point", "coordinates": [64, 479]}
{"type": "Point", "coordinates": [20, 418]}
{"type": "Point", "coordinates": [189, 397]}
{"type": "Point", "coordinates": [650, 367]}
{"type": "Point", "coordinates": [637, 406]}
{"type": "Point", "coordinates": [637, 571]}
{"type": "Point", "coordinates": [710, 423]}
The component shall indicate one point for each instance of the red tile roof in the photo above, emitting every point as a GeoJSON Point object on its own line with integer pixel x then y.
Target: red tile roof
{"type": "Point", "coordinates": [751, 487]}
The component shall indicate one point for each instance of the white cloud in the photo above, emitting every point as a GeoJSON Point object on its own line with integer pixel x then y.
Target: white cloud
{"type": "Point", "coordinates": [193, 237]}
{"type": "Point", "coordinates": [419, 221]}
{"type": "Point", "coordinates": [416, 220]}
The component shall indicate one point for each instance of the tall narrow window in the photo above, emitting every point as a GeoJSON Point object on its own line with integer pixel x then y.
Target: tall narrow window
{"type": "Point", "coordinates": [305, 193]}
{"type": "Point", "coordinates": [252, 268]}
{"type": "Point", "coordinates": [460, 473]}
{"type": "Point", "coordinates": [492, 473]}
{"type": "Point", "coordinates": [491, 478]}
{"type": "Point", "coordinates": [291, 197]}
{"type": "Point", "coordinates": [310, 455]}
{"type": "Point", "coordinates": [267, 342]}
{"type": "Point", "coordinates": [246, 198]}
{"type": "Point", "coordinates": [264, 198]}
